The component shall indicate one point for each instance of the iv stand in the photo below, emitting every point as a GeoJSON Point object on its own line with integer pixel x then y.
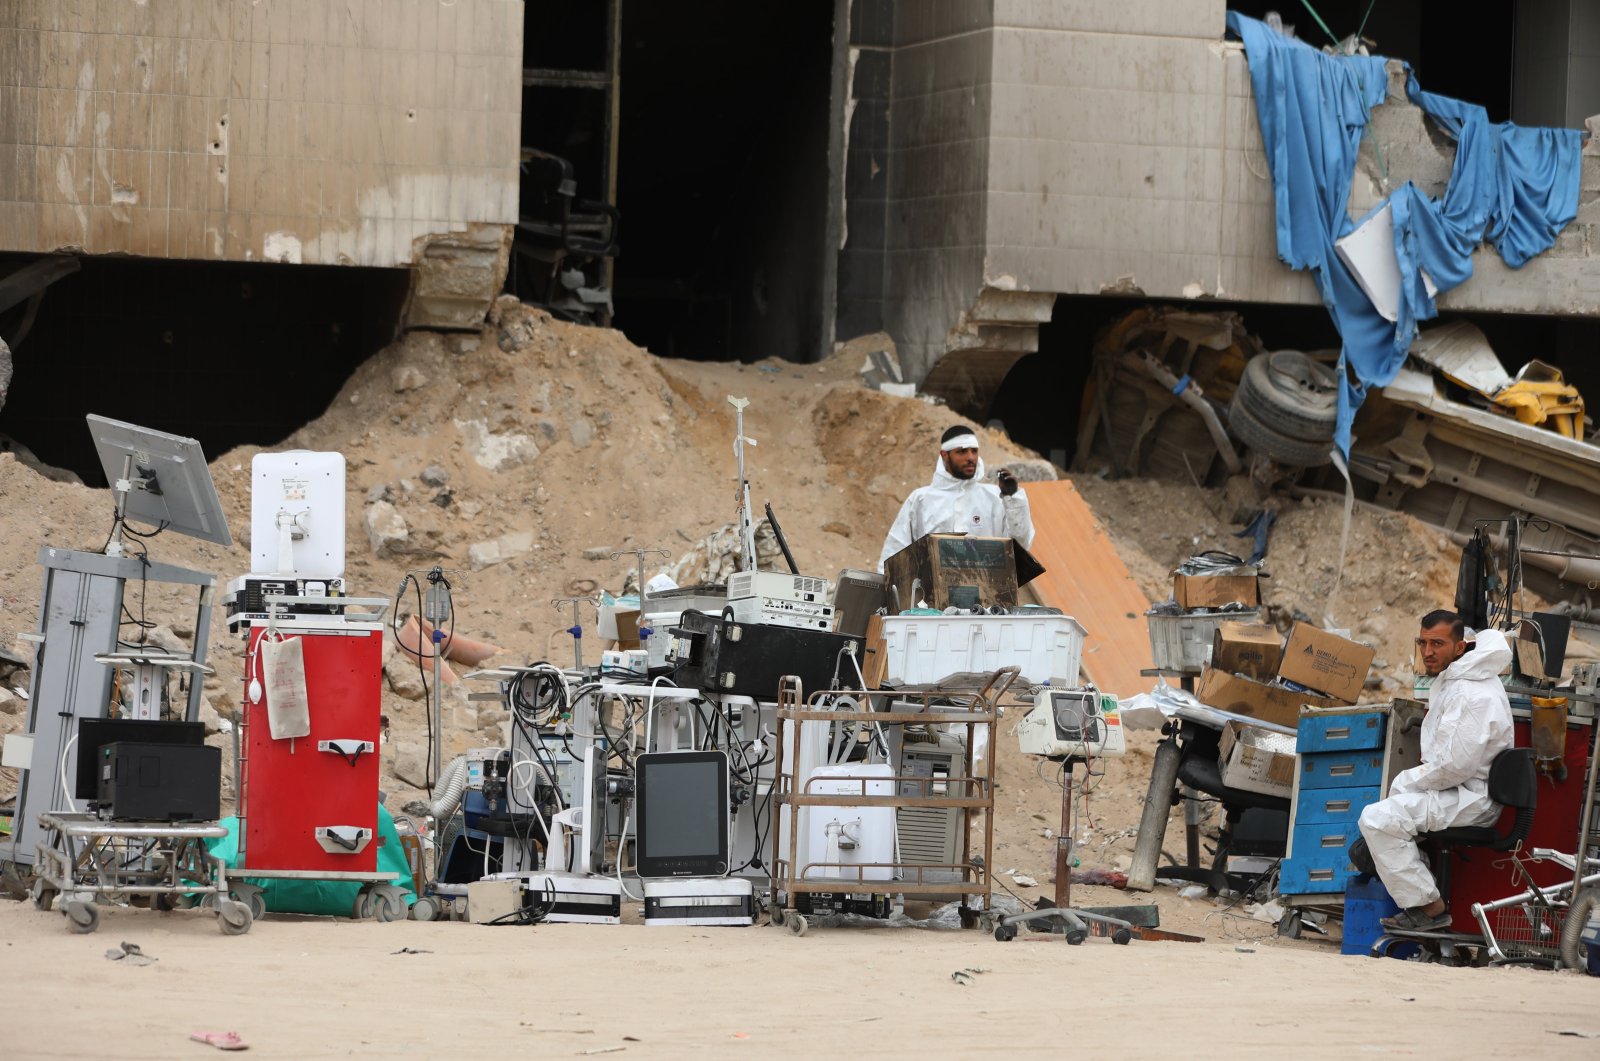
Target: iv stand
{"type": "Point", "coordinates": [747, 530]}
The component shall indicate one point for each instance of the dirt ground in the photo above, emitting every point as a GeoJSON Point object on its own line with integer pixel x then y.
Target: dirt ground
{"type": "Point", "coordinates": [558, 445]}
{"type": "Point", "coordinates": [307, 988]}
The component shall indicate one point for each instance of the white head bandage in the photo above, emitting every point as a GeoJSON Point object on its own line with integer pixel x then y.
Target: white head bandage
{"type": "Point", "coordinates": [960, 442]}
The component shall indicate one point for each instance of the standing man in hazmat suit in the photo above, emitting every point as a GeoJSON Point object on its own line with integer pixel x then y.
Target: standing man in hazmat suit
{"type": "Point", "coordinates": [958, 501]}
{"type": "Point", "coordinates": [1467, 725]}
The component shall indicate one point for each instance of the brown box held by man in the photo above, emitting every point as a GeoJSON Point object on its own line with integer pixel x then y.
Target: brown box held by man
{"type": "Point", "coordinates": [1245, 696]}
{"type": "Point", "coordinates": [959, 570]}
{"type": "Point", "coordinates": [1251, 649]}
{"type": "Point", "coordinates": [1326, 662]}
{"type": "Point", "coordinates": [1215, 591]}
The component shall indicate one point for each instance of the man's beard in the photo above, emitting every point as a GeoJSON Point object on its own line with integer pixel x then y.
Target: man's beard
{"type": "Point", "coordinates": [955, 469]}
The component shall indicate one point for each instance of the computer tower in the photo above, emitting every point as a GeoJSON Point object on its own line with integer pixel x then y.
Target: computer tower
{"type": "Point", "coordinates": [932, 835]}
{"type": "Point", "coordinates": [142, 781]}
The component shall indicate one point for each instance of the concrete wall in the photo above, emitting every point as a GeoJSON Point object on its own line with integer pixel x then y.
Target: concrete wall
{"type": "Point", "coordinates": [363, 132]}
{"type": "Point", "coordinates": [938, 171]}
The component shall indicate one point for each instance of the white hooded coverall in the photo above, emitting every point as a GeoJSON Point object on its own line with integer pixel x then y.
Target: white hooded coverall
{"type": "Point", "coordinates": [1468, 723]}
{"type": "Point", "coordinates": [952, 506]}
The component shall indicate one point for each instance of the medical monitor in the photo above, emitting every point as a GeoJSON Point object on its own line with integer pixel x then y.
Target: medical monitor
{"type": "Point", "coordinates": [683, 814]}
{"type": "Point", "coordinates": [171, 485]}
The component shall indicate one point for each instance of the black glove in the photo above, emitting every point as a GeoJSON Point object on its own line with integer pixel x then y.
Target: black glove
{"type": "Point", "coordinates": [1007, 483]}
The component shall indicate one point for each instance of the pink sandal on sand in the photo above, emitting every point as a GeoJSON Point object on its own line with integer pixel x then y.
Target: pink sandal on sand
{"type": "Point", "coordinates": [221, 1040]}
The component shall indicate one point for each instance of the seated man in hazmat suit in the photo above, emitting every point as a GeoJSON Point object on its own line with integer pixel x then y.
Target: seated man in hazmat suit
{"type": "Point", "coordinates": [1467, 725]}
{"type": "Point", "coordinates": [959, 501]}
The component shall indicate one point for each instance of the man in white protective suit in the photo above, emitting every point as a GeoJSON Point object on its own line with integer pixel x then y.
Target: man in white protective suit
{"type": "Point", "coordinates": [958, 501]}
{"type": "Point", "coordinates": [1468, 723]}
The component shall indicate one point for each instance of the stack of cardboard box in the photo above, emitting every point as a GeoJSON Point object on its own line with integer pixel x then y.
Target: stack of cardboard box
{"type": "Point", "coordinates": [1253, 674]}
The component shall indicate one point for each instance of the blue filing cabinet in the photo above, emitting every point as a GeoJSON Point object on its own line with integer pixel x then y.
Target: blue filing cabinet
{"type": "Point", "coordinates": [1346, 757]}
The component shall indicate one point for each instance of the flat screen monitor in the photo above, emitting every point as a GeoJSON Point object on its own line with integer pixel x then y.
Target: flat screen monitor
{"type": "Point", "coordinates": [177, 494]}
{"type": "Point", "coordinates": [95, 732]}
{"type": "Point", "coordinates": [683, 814]}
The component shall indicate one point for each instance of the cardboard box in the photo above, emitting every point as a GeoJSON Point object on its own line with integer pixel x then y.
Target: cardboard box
{"type": "Point", "coordinates": [960, 570]}
{"type": "Point", "coordinates": [1245, 696]}
{"type": "Point", "coordinates": [1256, 759]}
{"type": "Point", "coordinates": [1326, 662]}
{"type": "Point", "coordinates": [1251, 649]}
{"type": "Point", "coordinates": [1215, 591]}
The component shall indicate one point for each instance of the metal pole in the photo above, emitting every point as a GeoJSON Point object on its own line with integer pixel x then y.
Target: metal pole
{"type": "Point", "coordinates": [747, 530]}
{"type": "Point", "coordinates": [576, 629]}
{"type": "Point", "coordinates": [1064, 841]}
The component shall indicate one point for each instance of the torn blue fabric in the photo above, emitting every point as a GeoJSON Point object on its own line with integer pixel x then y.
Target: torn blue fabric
{"type": "Point", "coordinates": [1515, 187]}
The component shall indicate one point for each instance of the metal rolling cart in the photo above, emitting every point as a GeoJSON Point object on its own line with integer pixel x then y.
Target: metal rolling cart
{"type": "Point", "coordinates": [84, 860]}
{"type": "Point", "coordinates": [793, 883]}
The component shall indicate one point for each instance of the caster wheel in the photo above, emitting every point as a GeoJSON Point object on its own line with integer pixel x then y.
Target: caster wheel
{"type": "Point", "coordinates": [1290, 923]}
{"type": "Point", "coordinates": [388, 903]}
{"type": "Point", "coordinates": [778, 916]}
{"type": "Point", "coordinates": [1076, 936]}
{"type": "Point", "coordinates": [82, 917]}
{"type": "Point", "coordinates": [425, 909]}
{"type": "Point", "coordinates": [253, 898]}
{"type": "Point", "coordinates": [797, 924]}
{"type": "Point", "coordinates": [43, 896]}
{"type": "Point", "coordinates": [1121, 937]}
{"type": "Point", "coordinates": [986, 923]}
{"type": "Point", "coordinates": [165, 903]}
{"type": "Point", "coordinates": [233, 917]}
{"type": "Point", "coordinates": [1005, 933]}
{"type": "Point", "coordinates": [969, 917]}
{"type": "Point", "coordinates": [361, 909]}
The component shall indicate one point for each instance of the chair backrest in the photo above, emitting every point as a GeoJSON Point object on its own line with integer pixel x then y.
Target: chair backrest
{"type": "Point", "coordinates": [1513, 782]}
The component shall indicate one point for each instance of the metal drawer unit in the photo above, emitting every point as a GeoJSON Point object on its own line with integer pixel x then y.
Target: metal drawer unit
{"type": "Point", "coordinates": [1346, 758]}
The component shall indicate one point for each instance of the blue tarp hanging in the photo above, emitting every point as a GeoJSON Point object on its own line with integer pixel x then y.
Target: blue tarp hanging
{"type": "Point", "coordinates": [1515, 187]}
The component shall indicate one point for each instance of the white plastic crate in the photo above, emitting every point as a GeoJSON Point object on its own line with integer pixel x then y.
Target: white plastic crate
{"type": "Point", "coordinates": [925, 648]}
{"type": "Point", "coordinates": [1183, 641]}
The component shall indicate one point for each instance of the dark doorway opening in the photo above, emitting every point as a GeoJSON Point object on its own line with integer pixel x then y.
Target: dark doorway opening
{"type": "Point", "coordinates": [1467, 58]}
{"type": "Point", "coordinates": [228, 353]}
{"type": "Point", "coordinates": [1039, 401]}
{"type": "Point", "coordinates": [723, 177]}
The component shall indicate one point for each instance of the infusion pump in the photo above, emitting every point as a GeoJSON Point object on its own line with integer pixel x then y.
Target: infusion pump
{"type": "Point", "coordinates": [1072, 722]}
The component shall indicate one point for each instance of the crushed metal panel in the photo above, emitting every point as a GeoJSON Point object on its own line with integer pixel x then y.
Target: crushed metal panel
{"type": "Point", "coordinates": [1462, 352]}
{"type": "Point", "coordinates": [456, 275]}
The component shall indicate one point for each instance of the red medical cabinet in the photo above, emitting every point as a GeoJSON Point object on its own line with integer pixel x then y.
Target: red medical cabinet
{"type": "Point", "coordinates": [311, 803]}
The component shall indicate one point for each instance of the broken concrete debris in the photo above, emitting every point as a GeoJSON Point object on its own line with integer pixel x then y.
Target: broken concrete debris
{"type": "Point", "coordinates": [386, 529]}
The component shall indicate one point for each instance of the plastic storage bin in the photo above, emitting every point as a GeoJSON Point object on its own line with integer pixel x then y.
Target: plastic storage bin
{"type": "Point", "coordinates": [925, 648]}
{"type": "Point", "coordinates": [1183, 642]}
{"type": "Point", "coordinates": [1365, 902]}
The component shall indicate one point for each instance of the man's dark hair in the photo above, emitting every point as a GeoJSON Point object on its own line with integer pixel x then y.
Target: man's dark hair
{"type": "Point", "coordinates": [1458, 629]}
{"type": "Point", "coordinates": [954, 432]}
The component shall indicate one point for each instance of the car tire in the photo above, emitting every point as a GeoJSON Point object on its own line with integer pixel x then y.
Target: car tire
{"type": "Point", "coordinates": [1293, 395]}
{"type": "Point", "coordinates": [1263, 440]}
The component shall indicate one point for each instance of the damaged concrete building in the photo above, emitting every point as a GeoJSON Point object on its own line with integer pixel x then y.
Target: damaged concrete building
{"type": "Point", "coordinates": [241, 183]}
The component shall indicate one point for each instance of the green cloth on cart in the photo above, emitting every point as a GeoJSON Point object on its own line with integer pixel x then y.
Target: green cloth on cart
{"type": "Point", "coordinates": [334, 898]}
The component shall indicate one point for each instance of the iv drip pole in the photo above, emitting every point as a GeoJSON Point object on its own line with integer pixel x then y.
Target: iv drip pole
{"type": "Point", "coordinates": [747, 530]}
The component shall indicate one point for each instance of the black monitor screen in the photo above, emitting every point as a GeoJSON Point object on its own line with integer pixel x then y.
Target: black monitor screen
{"type": "Point", "coordinates": [95, 732]}
{"type": "Point", "coordinates": [683, 814]}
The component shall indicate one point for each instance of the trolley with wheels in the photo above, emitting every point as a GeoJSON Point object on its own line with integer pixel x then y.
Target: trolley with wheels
{"type": "Point", "coordinates": [84, 861]}
{"type": "Point", "coordinates": [308, 805]}
{"type": "Point", "coordinates": [801, 891]}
